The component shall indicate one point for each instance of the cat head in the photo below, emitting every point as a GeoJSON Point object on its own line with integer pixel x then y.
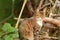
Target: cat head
{"type": "Point", "coordinates": [39, 14]}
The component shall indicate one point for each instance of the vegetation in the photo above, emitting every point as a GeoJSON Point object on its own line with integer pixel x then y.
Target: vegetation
{"type": "Point", "coordinates": [13, 12]}
{"type": "Point", "coordinates": [7, 32]}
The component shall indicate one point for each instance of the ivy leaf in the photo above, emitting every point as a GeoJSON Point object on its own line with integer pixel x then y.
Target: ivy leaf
{"type": "Point", "coordinates": [7, 37]}
{"type": "Point", "coordinates": [8, 28]}
{"type": "Point", "coordinates": [11, 36]}
{"type": "Point", "coordinates": [14, 35]}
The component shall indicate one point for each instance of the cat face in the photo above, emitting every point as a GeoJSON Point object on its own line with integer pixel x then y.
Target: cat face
{"type": "Point", "coordinates": [39, 14]}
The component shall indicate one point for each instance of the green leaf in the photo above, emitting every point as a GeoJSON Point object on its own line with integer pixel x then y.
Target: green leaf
{"type": "Point", "coordinates": [7, 37]}
{"type": "Point", "coordinates": [1, 33]}
{"type": "Point", "coordinates": [11, 36]}
{"type": "Point", "coordinates": [8, 28]}
{"type": "Point", "coordinates": [14, 35]}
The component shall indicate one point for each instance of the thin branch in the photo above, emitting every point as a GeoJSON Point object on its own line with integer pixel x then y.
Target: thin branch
{"type": "Point", "coordinates": [40, 4]}
{"type": "Point", "coordinates": [17, 19]}
{"type": "Point", "coordinates": [50, 37]}
{"type": "Point", "coordinates": [25, 1]}
{"type": "Point", "coordinates": [44, 11]}
{"type": "Point", "coordinates": [48, 25]}
{"type": "Point", "coordinates": [53, 21]}
{"type": "Point", "coordinates": [47, 36]}
{"type": "Point", "coordinates": [45, 5]}
{"type": "Point", "coordinates": [52, 9]}
{"type": "Point", "coordinates": [29, 6]}
{"type": "Point", "coordinates": [56, 15]}
{"type": "Point", "coordinates": [51, 2]}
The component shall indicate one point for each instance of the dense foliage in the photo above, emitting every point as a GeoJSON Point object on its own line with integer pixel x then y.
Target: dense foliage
{"type": "Point", "coordinates": [7, 32]}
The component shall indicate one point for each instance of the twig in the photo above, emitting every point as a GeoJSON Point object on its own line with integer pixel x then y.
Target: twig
{"type": "Point", "coordinates": [40, 4]}
{"type": "Point", "coordinates": [29, 6]}
{"type": "Point", "coordinates": [49, 26]}
{"type": "Point", "coordinates": [50, 37]}
{"type": "Point", "coordinates": [17, 19]}
{"type": "Point", "coordinates": [56, 15]}
{"type": "Point", "coordinates": [53, 21]}
{"type": "Point", "coordinates": [51, 2]}
{"type": "Point", "coordinates": [44, 11]}
{"type": "Point", "coordinates": [54, 37]}
{"type": "Point", "coordinates": [25, 1]}
{"type": "Point", "coordinates": [52, 9]}
{"type": "Point", "coordinates": [47, 36]}
{"type": "Point", "coordinates": [45, 5]}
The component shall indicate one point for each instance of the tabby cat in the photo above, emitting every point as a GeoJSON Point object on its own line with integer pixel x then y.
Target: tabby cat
{"type": "Point", "coordinates": [30, 27]}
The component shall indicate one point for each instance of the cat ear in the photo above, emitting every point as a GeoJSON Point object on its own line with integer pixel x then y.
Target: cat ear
{"type": "Point", "coordinates": [44, 12]}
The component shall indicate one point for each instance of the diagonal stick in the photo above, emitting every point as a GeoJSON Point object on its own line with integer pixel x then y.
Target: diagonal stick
{"type": "Point", "coordinates": [25, 1]}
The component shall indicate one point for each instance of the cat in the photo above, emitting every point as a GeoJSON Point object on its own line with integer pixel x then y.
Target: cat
{"type": "Point", "coordinates": [30, 27]}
